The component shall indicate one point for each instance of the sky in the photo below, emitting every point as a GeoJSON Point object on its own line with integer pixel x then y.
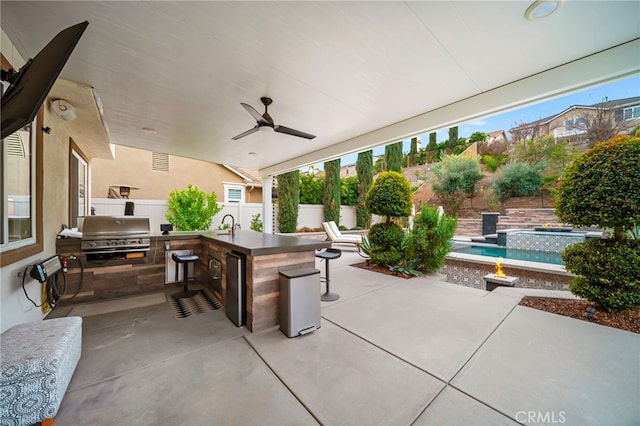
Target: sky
{"type": "Point", "coordinates": [621, 89]}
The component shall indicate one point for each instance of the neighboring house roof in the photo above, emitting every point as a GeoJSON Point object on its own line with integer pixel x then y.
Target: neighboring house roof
{"type": "Point", "coordinates": [614, 104]}
{"type": "Point", "coordinates": [497, 134]}
{"type": "Point", "coordinates": [250, 177]}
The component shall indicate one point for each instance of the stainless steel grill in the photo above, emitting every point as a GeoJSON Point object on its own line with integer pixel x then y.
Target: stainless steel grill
{"type": "Point", "coordinates": [115, 234]}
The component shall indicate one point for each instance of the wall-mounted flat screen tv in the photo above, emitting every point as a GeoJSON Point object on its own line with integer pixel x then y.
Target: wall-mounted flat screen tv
{"type": "Point", "coordinates": [29, 87]}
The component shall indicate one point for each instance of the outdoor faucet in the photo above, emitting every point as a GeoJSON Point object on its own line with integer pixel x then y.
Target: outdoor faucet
{"type": "Point", "coordinates": [233, 223]}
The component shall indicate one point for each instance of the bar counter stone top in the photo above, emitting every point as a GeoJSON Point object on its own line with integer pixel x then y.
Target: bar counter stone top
{"type": "Point", "coordinates": [251, 243]}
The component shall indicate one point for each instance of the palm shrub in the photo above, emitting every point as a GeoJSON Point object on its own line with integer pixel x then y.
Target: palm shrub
{"type": "Point", "coordinates": [602, 187]}
{"type": "Point", "coordinates": [389, 196]}
{"type": "Point", "coordinates": [430, 239]}
{"type": "Point", "coordinates": [192, 209]}
{"type": "Point", "coordinates": [288, 200]}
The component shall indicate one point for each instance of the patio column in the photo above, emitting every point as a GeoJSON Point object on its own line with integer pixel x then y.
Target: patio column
{"type": "Point", "coordinates": [267, 206]}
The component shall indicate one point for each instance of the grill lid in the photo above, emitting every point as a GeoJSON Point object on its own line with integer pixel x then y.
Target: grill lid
{"type": "Point", "coordinates": [99, 227]}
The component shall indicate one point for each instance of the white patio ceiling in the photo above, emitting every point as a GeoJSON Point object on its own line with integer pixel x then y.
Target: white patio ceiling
{"type": "Point", "coordinates": [356, 74]}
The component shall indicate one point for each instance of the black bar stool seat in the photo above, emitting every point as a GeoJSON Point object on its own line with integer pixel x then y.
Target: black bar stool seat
{"type": "Point", "coordinates": [327, 255]}
{"type": "Point", "coordinates": [185, 259]}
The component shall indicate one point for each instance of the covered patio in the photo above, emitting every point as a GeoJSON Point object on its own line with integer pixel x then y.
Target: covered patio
{"type": "Point", "coordinates": [390, 351]}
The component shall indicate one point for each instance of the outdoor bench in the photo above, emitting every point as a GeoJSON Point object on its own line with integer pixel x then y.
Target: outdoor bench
{"type": "Point", "coordinates": [38, 360]}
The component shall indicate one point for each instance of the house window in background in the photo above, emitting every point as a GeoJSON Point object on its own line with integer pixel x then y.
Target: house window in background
{"type": "Point", "coordinates": [233, 193]}
{"type": "Point", "coordinates": [18, 188]}
{"type": "Point", "coordinates": [631, 113]}
{"type": "Point", "coordinates": [79, 183]}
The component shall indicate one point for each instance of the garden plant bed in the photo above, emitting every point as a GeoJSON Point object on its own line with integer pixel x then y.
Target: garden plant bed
{"type": "Point", "coordinates": [575, 308]}
{"type": "Point", "coordinates": [380, 269]}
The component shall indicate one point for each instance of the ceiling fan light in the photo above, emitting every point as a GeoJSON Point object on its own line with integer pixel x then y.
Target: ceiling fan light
{"type": "Point", "coordinates": [265, 129]}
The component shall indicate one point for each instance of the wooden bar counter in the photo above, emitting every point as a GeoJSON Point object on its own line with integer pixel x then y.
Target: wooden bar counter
{"type": "Point", "coordinates": [266, 255]}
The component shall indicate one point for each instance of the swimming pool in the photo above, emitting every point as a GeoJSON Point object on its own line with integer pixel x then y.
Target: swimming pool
{"type": "Point", "coordinates": [509, 253]}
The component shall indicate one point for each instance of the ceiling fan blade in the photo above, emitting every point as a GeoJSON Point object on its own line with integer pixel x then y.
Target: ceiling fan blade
{"type": "Point", "coordinates": [248, 132]}
{"type": "Point", "coordinates": [255, 114]}
{"type": "Point", "coordinates": [293, 132]}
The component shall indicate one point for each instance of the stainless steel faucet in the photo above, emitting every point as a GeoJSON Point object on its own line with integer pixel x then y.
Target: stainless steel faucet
{"type": "Point", "coordinates": [233, 223]}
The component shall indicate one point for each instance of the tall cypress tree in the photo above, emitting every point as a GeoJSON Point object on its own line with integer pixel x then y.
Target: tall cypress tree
{"type": "Point", "coordinates": [288, 199]}
{"type": "Point", "coordinates": [393, 155]}
{"type": "Point", "coordinates": [413, 152]}
{"type": "Point", "coordinates": [364, 168]}
{"type": "Point", "coordinates": [433, 142]}
{"type": "Point", "coordinates": [453, 137]}
{"type": "Point", "coordinates": [331, 199]}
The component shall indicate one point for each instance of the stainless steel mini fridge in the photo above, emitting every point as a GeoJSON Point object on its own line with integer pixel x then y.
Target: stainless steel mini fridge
{"type": "Point", "coordinates": [236, 298]}
{"type": "Point", "coordinates": [299, 301]}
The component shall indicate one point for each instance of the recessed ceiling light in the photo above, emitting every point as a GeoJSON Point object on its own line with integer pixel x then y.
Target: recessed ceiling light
{"type": "Point", "coordinates": [149, 130]}
{"type": "Point", "coordinates": [541, 9]}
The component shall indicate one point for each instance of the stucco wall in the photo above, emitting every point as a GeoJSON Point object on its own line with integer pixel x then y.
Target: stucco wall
{"type": "Point", "coordinates": [14, 306]}
{"type": "Point", "coordinates": [132, 166]}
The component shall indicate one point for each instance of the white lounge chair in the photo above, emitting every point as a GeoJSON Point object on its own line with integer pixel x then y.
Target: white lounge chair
{"type": "Point", "coordinates": [335, 236]}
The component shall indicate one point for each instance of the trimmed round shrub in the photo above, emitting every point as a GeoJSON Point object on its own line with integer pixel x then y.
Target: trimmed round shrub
{"type": "Point", "coordinates": [602, 187]}
{"type": "Point", "coordinates": [390, 196]}
{"type": "Point", "coordinates": [609, 272]}
{"type": "Point", "coordinates": [386, 244]}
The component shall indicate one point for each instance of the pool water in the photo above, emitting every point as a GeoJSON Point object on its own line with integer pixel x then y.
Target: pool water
{"type": "Point", "coordinates": [516, 254]}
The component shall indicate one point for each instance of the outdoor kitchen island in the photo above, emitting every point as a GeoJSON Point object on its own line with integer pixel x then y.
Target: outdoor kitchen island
{"type": "Point", "coordinates": [266, 255]}
{"type": "Point", "coordinates": [121, 271]}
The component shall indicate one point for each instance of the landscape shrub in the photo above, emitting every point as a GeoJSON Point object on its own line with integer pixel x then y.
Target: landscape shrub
{"type": "Point", "coordinates": [331, 197]}
{"type": "Point", "coordinates": [456, 175]}
{"type": "Point", "coordinates": [602, 188]}
{"type": "Point", "coordinates": [517, 180]}
{"type": "Point", "coordinates": [490, 162]}
{"type": "Point", "coordinates": [430, 239]}
{"type": "Point", "coordinates": [386, 243]}
{"type": "Point", "coordinates": [256, 223]}
{"type": "Point", "coordinates": [609, 272]}
{"type": "Point", "coordinates": [192, 209]}
{"type": "Point", "coordinates": [390, 196]}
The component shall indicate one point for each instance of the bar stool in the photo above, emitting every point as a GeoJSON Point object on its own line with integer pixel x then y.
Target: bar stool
{"type": "Point", "coordinates": [327, 255]}
{"type": "Point", "coordinates": [184, 259]}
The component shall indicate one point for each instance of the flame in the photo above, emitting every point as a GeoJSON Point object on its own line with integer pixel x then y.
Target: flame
{"type": "Point", "coordinates": [499, 272]}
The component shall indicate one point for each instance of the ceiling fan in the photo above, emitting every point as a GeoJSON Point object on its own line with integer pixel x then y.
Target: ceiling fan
{"type": "Point", "coordinates": [265, 122]}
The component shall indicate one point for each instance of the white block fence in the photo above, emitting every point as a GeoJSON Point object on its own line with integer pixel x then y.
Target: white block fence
{"type": "Point", "coordinates": [310, 216]}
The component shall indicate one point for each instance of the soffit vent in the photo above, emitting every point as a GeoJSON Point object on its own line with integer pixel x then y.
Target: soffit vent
{"type": "Point", "coordinates": [15, 148]}
{"type": "Point", "coordinates": [160, 162]}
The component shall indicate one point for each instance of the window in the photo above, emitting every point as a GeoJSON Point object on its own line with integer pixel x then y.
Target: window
{"type": "Point", "coordinates": [574, 122]}
{"type": "Point", "coordinates": [21, 193]}
{"type": "Point", "coordinates": [78, 185]}
{"type": "Point", "coordinates": [233, 193]}
{"type": "Point", "coordinates": [18, 190]}
{"type": "Point", "coordinates": [631, 113]}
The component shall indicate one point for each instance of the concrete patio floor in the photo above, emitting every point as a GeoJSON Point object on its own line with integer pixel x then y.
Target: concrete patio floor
{"type": "Point", "coordinates": [390, 352]}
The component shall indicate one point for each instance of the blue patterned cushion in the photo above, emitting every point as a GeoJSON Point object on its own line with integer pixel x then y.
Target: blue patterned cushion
{"type": "Point", "coordinates": [38, 360]}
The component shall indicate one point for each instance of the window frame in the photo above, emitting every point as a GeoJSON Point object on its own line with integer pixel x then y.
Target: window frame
{"type": "Point", "coordinates": [76, 154]}
{"type": "Point", "coordinates": [34, 244]}
{"type": "Point", "coordinates": [234, 186]}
